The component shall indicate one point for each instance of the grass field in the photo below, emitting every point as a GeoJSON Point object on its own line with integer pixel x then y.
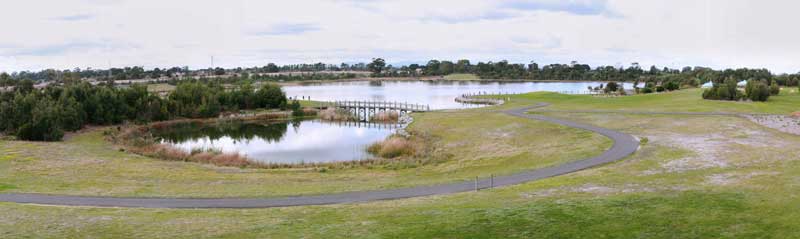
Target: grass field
{"type": "Point", "coordinates": [86, 164]}
{"type": "Point", "coordinates": [694, 177]}
{"type": "Point", "coordinates": [678, 101]}
{"type": "Point", "coordinates": [461, 77]}
{"type": "Point", "coordinates": [160, 87]}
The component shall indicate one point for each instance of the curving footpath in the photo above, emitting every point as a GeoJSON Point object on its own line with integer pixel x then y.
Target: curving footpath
{"type": "Point", "coordinates": [624, 145]}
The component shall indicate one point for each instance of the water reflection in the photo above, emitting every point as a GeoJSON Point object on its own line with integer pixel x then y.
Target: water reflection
{"type": "Point", "coordinates": [437, 94]}
{"type": "Point", "coordinates": [309, 141]}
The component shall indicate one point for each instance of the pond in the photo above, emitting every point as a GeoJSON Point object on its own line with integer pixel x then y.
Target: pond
{"type": "Point", "coordinates": [437, 94]}
{"type": "Point", "coordinates": [307, 141]}
{"type": "Point", "coordinates": [314, 141]}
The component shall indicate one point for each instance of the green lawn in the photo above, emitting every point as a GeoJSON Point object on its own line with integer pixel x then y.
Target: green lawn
{"type": "Point", "coordinates": [695, 177]}
{"type": "Point", "coordinates": [677, 101]}
{"type": "Point", "coordinates": [463, 146]}
{"type": "Point", "coordinates": [461, 77]}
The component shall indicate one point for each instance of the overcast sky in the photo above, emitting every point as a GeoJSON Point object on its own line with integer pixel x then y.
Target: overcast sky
{"type": "Point", "coordinates": [65, 34]}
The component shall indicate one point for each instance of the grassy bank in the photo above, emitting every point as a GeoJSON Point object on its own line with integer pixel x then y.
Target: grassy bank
{"type": "Point", "coordinates": [644, 196]}
{"type": "Point", "coordinates": [461, 77]}
{"type": "Point", "coordinates": [677, 101]}
{"type": "Point", "coordinates": [695, 177]}
{"type": "Point", "coordinates": [464, 145]}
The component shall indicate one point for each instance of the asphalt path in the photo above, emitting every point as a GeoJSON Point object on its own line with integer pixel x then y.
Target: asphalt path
{"type": "Point", "coordinates": [624, 145]}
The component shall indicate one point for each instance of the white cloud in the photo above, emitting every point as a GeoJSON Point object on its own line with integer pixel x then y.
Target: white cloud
{"type": "Point", "coordinates": [92, 33]}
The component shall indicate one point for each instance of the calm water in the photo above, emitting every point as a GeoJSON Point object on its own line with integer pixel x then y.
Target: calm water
{"type": "Point", "coordinates": [437, 94]}
{"type": "Point", "coordinates": [314, 141]}
{"type": "Point", "coordinates": [309, 141]}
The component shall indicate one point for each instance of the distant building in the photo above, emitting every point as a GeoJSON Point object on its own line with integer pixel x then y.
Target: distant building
{"type": "Point", "coordinates": [707, 85]}
{"type": "Point", "coordinates": [741, 84]}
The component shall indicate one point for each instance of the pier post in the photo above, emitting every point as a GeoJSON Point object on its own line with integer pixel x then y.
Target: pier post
{"type": "Point", "coordinates": [476, 183]}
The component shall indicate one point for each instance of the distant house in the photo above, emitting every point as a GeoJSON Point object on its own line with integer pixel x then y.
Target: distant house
{"type": "Point", "coordinates": [707, 85]}
{"type": "Point", "coordinates": [741, 84]}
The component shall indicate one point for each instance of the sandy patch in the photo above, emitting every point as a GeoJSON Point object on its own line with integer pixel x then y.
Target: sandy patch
{"type": "Point", "coordinates": [786, 124]}
{"type": "Point", "coordinates": [715, 150]}
{"type": "Point", "coordinates": [599, 190]}
{"type": "Point", "coordinates": [731, 178]}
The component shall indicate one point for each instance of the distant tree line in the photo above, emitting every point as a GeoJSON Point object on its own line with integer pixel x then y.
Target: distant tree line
{"type": "Point", "coordinates": [500, 70]}
{"type": "Point", "coordinates": [44, 115]}
{"type": "Point", "coordinates": [754, 90]}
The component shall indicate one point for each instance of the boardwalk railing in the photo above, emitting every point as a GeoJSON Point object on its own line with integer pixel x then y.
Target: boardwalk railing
{"type": "Point", "coordinates": [381, 105]}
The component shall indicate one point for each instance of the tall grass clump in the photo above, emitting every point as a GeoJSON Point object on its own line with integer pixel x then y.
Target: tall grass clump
{"type": "Point", "coordinates": [139, 140]}
{"type": "Point", "coordinates": [333, 114]}
{"type": "Point", "coordinates": [393, 147]}
{"type": "Point", "coordinates": [386, 116]}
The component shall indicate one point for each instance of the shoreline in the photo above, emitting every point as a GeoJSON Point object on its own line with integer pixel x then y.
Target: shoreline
{"type": "Point", "coordinates": [427, 78]}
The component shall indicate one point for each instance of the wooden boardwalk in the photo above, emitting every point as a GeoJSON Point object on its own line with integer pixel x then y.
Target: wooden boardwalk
{"type": "Point", "coordinates": [377, 106]}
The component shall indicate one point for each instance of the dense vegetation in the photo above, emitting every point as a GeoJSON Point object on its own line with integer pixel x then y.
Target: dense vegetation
{"type": "Point", "coordinates": [45, 114]}
{"type": "Point", "coordinates": [500, 70]}
{"type": "Point", "coordinates": [755, 90]}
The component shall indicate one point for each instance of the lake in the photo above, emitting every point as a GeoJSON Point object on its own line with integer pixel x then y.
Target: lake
{"type": "Point", "coordinates": [437, 94]}
{"type": "Point", "coordinates": [314, 141]}
{"type": "Point", "coordinates": [308, 141]}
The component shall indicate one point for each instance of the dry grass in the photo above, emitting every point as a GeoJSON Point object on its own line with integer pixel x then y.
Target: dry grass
{"type": "Point", "coordinates": [386, 116]}
{"type": "Point", "coordinates": [333, 114]}
{"type": "Point", "coordinates": [308, 111]}
{"type": "Point", "coordinates": [139, 140]}
{"type": "Point", "coordinates": [393, 147]}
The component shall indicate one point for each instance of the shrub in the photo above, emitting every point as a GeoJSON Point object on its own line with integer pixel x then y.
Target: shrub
{"type": "Point", "coordinates": [333, 114]}
{"type": "Point", "coordinates": [386, 116]}
{"type": "Point", "coordinates": [726, 91]}
{"type": "Point", "coordinates": [296, 110]}
{"type": "Point", "coordinates": [671, 85]}
{"type": "Point", "coordinates": [647, 90]}
{"type": "Point", "coordinates": [757, 90]}
{"type": "Point", "coordinates": [393, 147]}
{"type": "Point", "coordinates": [774, 89]}
{"type": "Point", "coordinates": [611, 87]}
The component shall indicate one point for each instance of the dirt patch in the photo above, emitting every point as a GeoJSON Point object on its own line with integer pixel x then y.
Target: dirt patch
{"type": "Point", "coordinates": [786, 124]}
{"type": "Point", "coordinates": [732, 178]}
{"type": "Point", "coordinates": [599, 190]}
{"type": "Point", "coordinates": [714, 150]}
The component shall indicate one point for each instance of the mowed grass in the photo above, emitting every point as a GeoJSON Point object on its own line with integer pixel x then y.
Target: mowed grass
{"type": "Point", "coordinates": [461, 77]}
{"type": "Point", "coordinates": [161, 87]}
{"type": "Point", "coordinates": [635, 198]}
{"type": "Point", "coordinates": [678, 101]}
{"type": "Point", "coordinates": [695, 177]}
{"type": "Point", "coordinates": [464, 145]}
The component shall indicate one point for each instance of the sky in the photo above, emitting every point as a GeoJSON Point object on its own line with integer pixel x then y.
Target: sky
{"type": "Point", "coordinates": [65, 34]}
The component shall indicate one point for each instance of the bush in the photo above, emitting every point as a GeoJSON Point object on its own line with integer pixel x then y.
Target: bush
{"type": "Point", "coordinates": [44, 126]}
{"type": "Point", "coordinates": [296, 110]}
{"type": "Point", "coordinates": [726, 91]}
{"type": "Point", "coordinates": [647, 90]}
{"type": "Point", "coordinates": [334, 114]}
{"type": "Point", "coordinates": [611, 87]}
{"type": "Point", "coordinates": [671, 85]}
{"type": "Point", "coordinates": [393, 147]}
{"type": "Point", "coordinates": [757, 90]}
{"type": "Point", "coordinates": [774, 89]}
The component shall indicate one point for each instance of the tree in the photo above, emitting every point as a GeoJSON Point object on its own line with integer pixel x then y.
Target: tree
{"type": "Point", "coordinates": [774, 89]}
{"type": "Point", "coordinates": [462, 66]}
{"type": "Point", "coordinates": [271, 96]}
{"type": "Point", "coordinates": [377, 65]}
{"type": "Point", "coordinates": [611, 87]}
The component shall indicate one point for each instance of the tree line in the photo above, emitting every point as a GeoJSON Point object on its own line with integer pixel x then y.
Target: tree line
{"type": "Point", "coordinates": [44, 115]}
{"type": "Point", "coordinates": [500, 70]}
{"type": "Point", "coordinates": [503, 70]}
{"type": "Point", "coordinates": [754, 90]}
